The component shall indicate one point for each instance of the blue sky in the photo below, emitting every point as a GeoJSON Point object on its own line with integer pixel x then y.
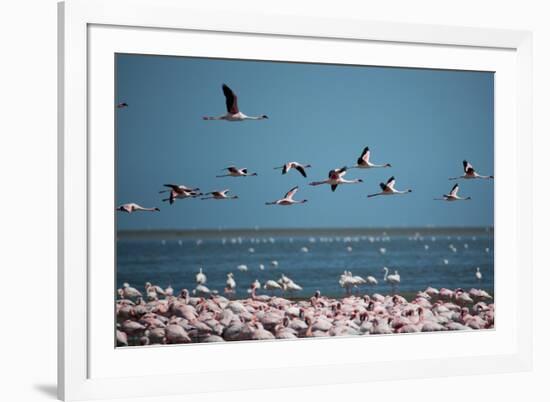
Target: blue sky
{"type": "Point", "coordinates": [424, 122]}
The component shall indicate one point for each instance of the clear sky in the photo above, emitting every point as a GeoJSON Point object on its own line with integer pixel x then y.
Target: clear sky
{"type": "Point", "coordinates": [424, 122]}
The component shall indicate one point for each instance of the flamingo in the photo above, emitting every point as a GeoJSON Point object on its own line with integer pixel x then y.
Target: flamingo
{"type": "Point", "coordinates": [364, 161]}
{"type": "Point", "coordinates": [122, 105]}
{"type": "Point", "coordinates": [133, 207]}
{"type": "Point", "coordinates": [335, 178]}
{"type": "Point", "coordinates": [200, 277]}
{"type": "Point", "coordinates": [470, 173]}
{"type": "Point", "coordinates": [179, 191]}
{"type": "Point", "coordinates": [220, 195]}
{"type": "Point", "coordinates": [233, 171]}
{"type": "Point", "coordinates": [388, 189]}
{"type": "Point", "coordinates": [479, 276]}
{"type": "Point", "coordinates": [394, 279]}
{"type": "Point", "coordinates": [233, 113]}
{"type": "Point", "coordinates": [453, 196]}
{"type": "Point", "coordinates": [272, 285]}
{"type": "Point", "coordinates": [231, 285]}
{"type": "Point", "coordinates": [294, 165]}
{"type": "Point", "coordinates": [288, 199]}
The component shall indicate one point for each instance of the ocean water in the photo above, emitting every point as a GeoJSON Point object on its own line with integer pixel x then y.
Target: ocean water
{"type": "Point", "coordinates": [443, 259]}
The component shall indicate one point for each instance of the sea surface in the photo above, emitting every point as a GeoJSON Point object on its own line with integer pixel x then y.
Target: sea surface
{"type": "Point", "coordinates": [312, 259]}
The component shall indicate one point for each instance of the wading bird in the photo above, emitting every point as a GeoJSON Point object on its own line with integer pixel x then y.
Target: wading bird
{"type": "Point", "coordinates": [233, 171]}
{"type": "Point", "coordinates": [133, 207]}
{"type": "Point", "coordinates": [453, 196]}
{"type": "Point", "coordinates": [335, 178]}
{"type": "Point", "coordinates": [219, 195]}
{"type": "Point", "coordinates": [233, 113]}
{"type": "Point", "coordinates": [364, 161]}
{"type": "Point", "coordinates": [294, 165]}
{"type": "Point", "coordinates": [288, 199]}
{"type": "Point", "coordinates": [393, 279]}
{"type": "Point", "coordinates": [470, 173]}
{"type": "Point", "coordinates": [388, 189]}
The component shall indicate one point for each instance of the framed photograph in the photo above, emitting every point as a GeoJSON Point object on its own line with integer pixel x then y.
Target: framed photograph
{"type": "Point", "coordinates": [297, 200]}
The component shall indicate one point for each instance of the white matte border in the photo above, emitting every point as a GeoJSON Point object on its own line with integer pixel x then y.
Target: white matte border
{"type": "Point", "coordinates": [73, 377]}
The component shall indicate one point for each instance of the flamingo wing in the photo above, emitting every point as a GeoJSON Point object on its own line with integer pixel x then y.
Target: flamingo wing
{"type": "Point", "coordinates": [286, 167]}
{"type": "Point", "coordinates": [333, 187]}
{"type": "Point", "coordinates": [365, 156]}
{"type": "Point", "coordinates": [391, 182]}
{"type": "Point", "coordinates": [383, 186]}
{"type": "Point", "coordinates": [230, 100]}
{"type": "Point", "coordinates": [301, 169]}
{"type": "Point", "coordinates": [291, 192]}
{"type": "Point", "coordinates": [454, 191]}
{"type": "Point", "coordinates": [232, 169]}
{"type": "Point", "coordinates": [468, 168]}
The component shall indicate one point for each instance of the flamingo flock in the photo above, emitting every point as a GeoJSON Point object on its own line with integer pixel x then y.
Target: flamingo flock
{"type": "Point", "coordinates": [191, 317]}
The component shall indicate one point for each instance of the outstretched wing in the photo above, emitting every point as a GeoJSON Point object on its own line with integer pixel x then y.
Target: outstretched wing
{"type": "Point", "coordinates": [468, 168]}
{"type": "Point", "coordinates": [302, 171]}
{"type": "Point", "coordinates": [454, 190]}
{"type": "Point", "coordinates": [333, 187]}
{"type": "Point", "coordinates": [286, 167]}
{"type": "Point", "coordinates": [291, 192]}
{"type": "Point", "coordinates": [364, 158]}
{"type": "Point", "coordinates": [232, 169]}
{"type": "Point", "coordinates": [383, 186]}
{"type": "Point", "coordinates": [336, 173]}
{"type": "Point", "coordinates": [391, 182]}
{"type": "Point", "coordinates": [230, 100]}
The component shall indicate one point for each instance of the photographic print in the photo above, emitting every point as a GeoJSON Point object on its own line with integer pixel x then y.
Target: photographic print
{"type": "Point", "coordinates": [269, 200]}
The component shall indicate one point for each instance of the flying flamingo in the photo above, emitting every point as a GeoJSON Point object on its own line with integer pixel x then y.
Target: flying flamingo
{"type": "Point", "coordinates": [470, 173]}
{"type": "Point", "coordinates": [335, 178]}
{"type": "Point", "coordinates": [133, 207]}
{"type": "Point", "coordinates": [294, 165]}
{"type": "Point", "coordinates": [288, 199]}
{"type": "Point", "coordinates": [122, 105]}
{"type": "Point", "coordinates": [233, 171]}
{"type": "Point", "coordinates": [453, 196]}
{"type": "Point", "coordinates": [233, 113]}
{"type": "Point", "coordinates": [364, 161]}
{"type": "Point", "coordinates": [179, 191]}
{"type": "Point", "coordinates": [388, 189]}
{"type": "Point", "coordinates": [220, 195]}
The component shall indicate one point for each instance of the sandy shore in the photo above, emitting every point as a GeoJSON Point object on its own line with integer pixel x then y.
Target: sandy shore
{"type": "Point", "coordinates": [185, 319]}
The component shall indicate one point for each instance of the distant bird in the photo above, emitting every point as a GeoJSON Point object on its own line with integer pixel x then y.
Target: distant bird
{"type": "Point", "coordinates": [470, 173]}
{"type": "Point", "coordinates": [371, 280]}
{"type": "Point", "coordinates": [133, 207]}
{"type": "Point", "coordinates": [364, 161]}
{"type": "Point", "coordinates": [200, 277]}
{"type": "Point", "coordinates": [220, 195]}
{"type": "Point", "coordinates": [242, 268]}
{"type": "Point", "coordinates": [453, 196]}
{"type": "Point", "coordinates": [393, 279]}
{"type": "Point", "coordinates": [479, 276]}
{"type": "Point", "coordinates": [233, 113]}
{"type": "Point", "coordinates": [202, 290]}
{"type": "Point", "coordinates": [272, 285]}
{"type": "Point", "coordinates": [236, 172]}
{"type": "Point", "coordinates": [230, 284]}
{"type": "Point", "coordinates": [178, 191]}
{"type": "Point", "coordinates": [122, 105]}
{"type": "Point", "coordinates": [388, 189]}
{"type": "Point", "coordinates": [294, 165]}
{"type": "Point", "coordinates": [275, 263]}
{"type": "Point", "coordinates": [335, 178]}
{"type": "Point", "coordinates": [288, 198]}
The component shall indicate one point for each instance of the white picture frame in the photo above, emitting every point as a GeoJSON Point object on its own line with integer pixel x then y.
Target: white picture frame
{"type": "Point", "coordinates": [90, 31]}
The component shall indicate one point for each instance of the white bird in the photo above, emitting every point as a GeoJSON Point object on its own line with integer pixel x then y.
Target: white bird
{"type": "Point", "coordinates": [202, 290]}
{"type": "Point", "coordinates": [294, 165]}
{"type": "Point", "coordinates": [233, 113]}
{"type": "Point", "coordinates": [453, 196]}
{"type": "Point", "coordinates": [335, 178]}
{"type": "Point", "coordinates": [242, 268]}
{"type": "Point", "coordinates": [271, 285]}
{"type": "Point", "coordinates": [288, 198]}
{"type": "Point", "coordinates": [470, 173]}
{"type": "Point", "coordinates": [364, 161]}
{"type": "Point", "coordinates": [233, 171]}
{"type": "Point", "coordinates": [479, 276]}
{"type": "Point", "coordinates": [388, 189]}
{"type": "Point", "coordinates": [292, 287]}
{"type": "Point", "coordinates": [262, 267]}
{"type": "Point", "coordinates": [275, 263]}
{"type": "Point", "coordinates": [230, 283]}
{"type": "Point", "coordinates": [133, 207]}
{"type": "Point", "coordinates": [304, 250]}
{"type": "Point", "coordinates": [220, 195]}
{"type": "Point", "coordinates": [200, 278]}
{"type": "Point", "coordinates": [371, 280]}
{"type": "Point", "coordinates": [179, 191]}
{"type": "Point", "coordinates": [393, 279]}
